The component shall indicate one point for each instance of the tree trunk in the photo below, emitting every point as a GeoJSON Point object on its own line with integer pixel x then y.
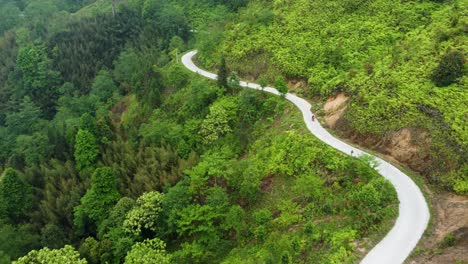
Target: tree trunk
{"type": "Point", "coordinates": [113, 8]}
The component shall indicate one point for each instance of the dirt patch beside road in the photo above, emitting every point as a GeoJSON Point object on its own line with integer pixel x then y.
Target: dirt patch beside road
{"type": "Point", "coordinates": [334, 109]}
{"type": "Point", "coordinates": [447, 241]}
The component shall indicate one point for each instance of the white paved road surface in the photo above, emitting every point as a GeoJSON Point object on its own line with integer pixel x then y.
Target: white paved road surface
{"type": "Point", "coordinates": [413, 216]}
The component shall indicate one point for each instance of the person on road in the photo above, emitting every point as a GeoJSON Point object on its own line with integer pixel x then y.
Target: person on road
{"type": "Point", "coordinates": [313, 117]}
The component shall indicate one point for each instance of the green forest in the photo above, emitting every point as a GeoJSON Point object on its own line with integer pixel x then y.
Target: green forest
{"type": "Point", "coordinates": [112, 152]}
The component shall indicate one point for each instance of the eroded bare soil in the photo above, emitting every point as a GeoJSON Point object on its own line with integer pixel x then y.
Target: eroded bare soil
{"type": "Point", "coordinates": [447, 239]}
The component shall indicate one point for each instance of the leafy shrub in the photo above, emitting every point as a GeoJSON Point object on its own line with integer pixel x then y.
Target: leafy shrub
{"type": "Point", "coordinates": [450, 68]}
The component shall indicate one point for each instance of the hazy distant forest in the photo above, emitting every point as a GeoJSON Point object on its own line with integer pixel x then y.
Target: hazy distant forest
{"type": "Point", "coordinates": [112, 152]}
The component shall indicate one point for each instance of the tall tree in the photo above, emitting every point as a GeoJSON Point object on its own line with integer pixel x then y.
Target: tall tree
{"type": "Point", "coordinates": [15, 196]}
{"type": "Point", "coordinates": [35, 78]}
{"type": "Point", "coordinates": [143, 219]}
{"type": "Point", "coordinates": [86, 150]}
{"type": "Point", "coordinates": [281, 86]}
{"type": "Point", "coordinates": [223, 74]}
{"type": "Point", "coordinates": [99, 199]}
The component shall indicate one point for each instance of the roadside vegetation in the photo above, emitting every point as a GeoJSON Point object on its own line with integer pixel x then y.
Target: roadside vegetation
{"type": "Point", "coordinates": [403, 64]}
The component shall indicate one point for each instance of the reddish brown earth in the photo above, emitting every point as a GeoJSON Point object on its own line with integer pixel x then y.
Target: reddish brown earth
{"type": "Point", "coordinates": [411, 148]}
{"type": "Point", "coordinates": [450, 218]}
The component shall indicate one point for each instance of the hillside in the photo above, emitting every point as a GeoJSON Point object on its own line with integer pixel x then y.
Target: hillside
{"type": "Point", "coordinates": [401, 63]}
{"type": "Point", "coordinates": [112, 152]}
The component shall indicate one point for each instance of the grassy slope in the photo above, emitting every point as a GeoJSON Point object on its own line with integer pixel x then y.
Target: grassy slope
{"type": "Point", "coordinates": [315, 232]}
{"type": "Point", "coordinates": [381, 52]}
{"type": "Point", "coordinates": [304, 227]}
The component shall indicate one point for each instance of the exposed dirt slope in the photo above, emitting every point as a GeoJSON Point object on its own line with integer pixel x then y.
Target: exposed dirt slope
{"type": "Point", "coordinates": [447, 241]}
{"type": "Point", "coordinates": [411, 147]}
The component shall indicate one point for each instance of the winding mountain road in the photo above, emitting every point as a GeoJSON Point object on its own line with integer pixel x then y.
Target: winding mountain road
{"type": "Point", "coordinates": [413, 216]}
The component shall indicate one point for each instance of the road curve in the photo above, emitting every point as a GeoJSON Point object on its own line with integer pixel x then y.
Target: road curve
{"type": "Point", "coordinates": [413, 216]}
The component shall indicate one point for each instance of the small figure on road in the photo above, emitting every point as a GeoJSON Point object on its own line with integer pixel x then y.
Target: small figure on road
{"type": "Point", "coordinates": [313, 117]}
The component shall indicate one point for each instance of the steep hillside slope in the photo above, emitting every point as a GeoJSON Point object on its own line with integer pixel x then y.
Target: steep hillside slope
{"type": "Point", "coordinates": [402, 63]}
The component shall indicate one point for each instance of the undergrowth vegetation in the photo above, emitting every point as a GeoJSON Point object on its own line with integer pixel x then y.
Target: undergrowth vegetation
{"type": "Point", "coordinates": [402, 63]}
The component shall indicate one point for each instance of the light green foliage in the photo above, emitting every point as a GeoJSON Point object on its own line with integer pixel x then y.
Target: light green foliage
{"type": "Point", "coordinates": [388, 56]}
{"type": "Point", "coordinates": [290, 214]}
{"type": "Point", "coordinates": [30, 64]}
{"type": "Point", "coordinates": [341, 243]}
{"type": "Point", "coordinates": [302, 183]}
{"type": "Point", "coordinates": [55, 256]}
{"type": "Point", "coordinates": [262, 216]}
{"type": "Point", "coordinates": [86, 151]}
{"type": "Point", "coordinates": [176, 46]}
{"type": "Point", "coordinates": [219, 121]}
{"type": "Point", "coordinates": [457, 180]}
{"type": "Point", "coordinates": [99, 199]}
{"type": "Point", "coordinates": [145, 216]}
{"type": "Point", "coordinates": [148, 252]}
{"type": "Point", "coordinates": [175, 75]}
{"type": "Point", "coordinates": [40, 10]}
{"type": "Point", "coordinates": [291, 154]}
{"type": "Point", "coordinates": [461, 186]}
{"type": "Point", "coordinates": [159, 130]}
{"type": "Point", "coordinates": [212, 165]}
{"type": "Point", "coordinates": [204, 216]}
{"type": "Point", "coordinates": [310, 186]}
{"type": "Point", "coordinates": [281, 86]}
{"type": "Point", "coordinates": [235, 218]}
{"type": "Point", "coordinates": [217, 198]}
